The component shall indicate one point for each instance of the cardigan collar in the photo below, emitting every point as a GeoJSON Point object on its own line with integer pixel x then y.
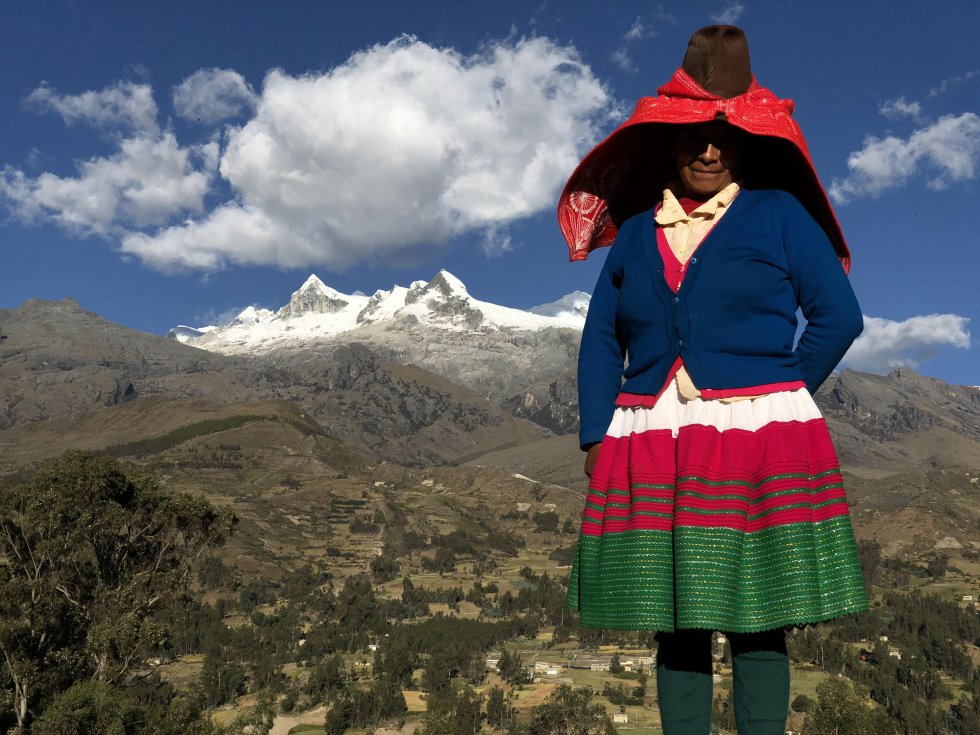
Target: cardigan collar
{"type": "Point", "coordinates": [671, 212]}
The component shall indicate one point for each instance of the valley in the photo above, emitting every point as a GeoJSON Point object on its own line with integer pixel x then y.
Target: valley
{"type": "Point", "coordinates": [398, 481]}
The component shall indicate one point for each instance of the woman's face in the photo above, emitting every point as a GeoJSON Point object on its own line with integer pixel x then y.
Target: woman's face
{"type": "Point", "coordinates": [707, 157]}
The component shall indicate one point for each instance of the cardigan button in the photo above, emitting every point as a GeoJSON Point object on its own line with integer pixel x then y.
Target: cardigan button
{"type": "Point", "coordinates": [680, 343]}
{"type": "Point", "coordinates": [677, 299]}
{"type": "Point", "coordinates": [693, 261]}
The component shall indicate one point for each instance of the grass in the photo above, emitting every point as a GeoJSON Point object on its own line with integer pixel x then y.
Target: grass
{"type": "Point", "coordinates": [155, 445]}
{"type": "Point", "coordinates": [805, 681]}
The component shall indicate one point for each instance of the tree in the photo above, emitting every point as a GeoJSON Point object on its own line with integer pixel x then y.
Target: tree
{"type": "Point", "coordinates": [89, 553]}
{"type": "Point", "coordinates": [384, 569]}
{"type": "Point", "coordinates": [801, 703]}
{"type": "Point", "coordinates": [938, 565]}
{"type": "Point", "coordinates": [615, 667]}
{"type": "Point", "coordinates": [723, 712]}
{"type": "Point", "coordinates": [500, 712]}
{"type": "Point", "coordinates": [838, 711]}
{"type": "Point", "coordinates": [546, 522]}
{"type": "Point", "coordinates": [456, 711]}
{"type": "Point", "coordinates": [570, 712]}
{"type": "Point", "coordinates": [388, 699]}
{"type": "Point", "coordinates": [87, 708]}
{"type": "Point", "coordinates": [396, 661]}
{"type": "Point", "coordinates": [869, 553]}
{"type": "Point", "coordinates": [221, 680]}
{"type": "Point", "coordinates": [443, 562]}
{"type": "Point", "coordinates": [326, 679]}
{"type": "Point", "coordinates": [512, 669]}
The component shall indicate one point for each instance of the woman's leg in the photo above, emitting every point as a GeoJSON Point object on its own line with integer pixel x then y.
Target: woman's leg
{"type": "Point", "coordinates": [684, 681]}
{"type": "Point", "coordinates": [760, 670]}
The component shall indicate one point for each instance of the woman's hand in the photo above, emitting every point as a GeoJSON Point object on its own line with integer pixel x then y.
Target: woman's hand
{"type": "Point", "coordinates": [590, 459]}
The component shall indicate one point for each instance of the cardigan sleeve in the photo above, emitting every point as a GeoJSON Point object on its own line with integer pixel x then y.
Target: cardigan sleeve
{"type": "Point", "coordinates": [600, 358]}
{"type": "Point", "coordinates": [823, 292]}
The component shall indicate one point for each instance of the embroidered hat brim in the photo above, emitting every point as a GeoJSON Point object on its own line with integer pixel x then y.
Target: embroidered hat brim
{"type": "Point", "coordinates": [626, 173]}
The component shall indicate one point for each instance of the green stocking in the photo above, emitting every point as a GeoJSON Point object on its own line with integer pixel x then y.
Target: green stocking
{"type": "Point", "coordinates": [684, 681]}
{"type": "Point", "coordinates": [761, 682]}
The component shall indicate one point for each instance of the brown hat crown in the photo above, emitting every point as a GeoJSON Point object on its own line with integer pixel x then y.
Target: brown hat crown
{"type": "Point", "coordinates": [717, 58]}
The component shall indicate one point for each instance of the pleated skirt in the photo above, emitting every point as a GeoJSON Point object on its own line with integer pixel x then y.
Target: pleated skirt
{"type": "Point", "coordinates": [725, 516]}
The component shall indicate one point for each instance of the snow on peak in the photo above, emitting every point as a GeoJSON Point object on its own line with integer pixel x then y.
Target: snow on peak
{"type": "Point", "coordinates": [316, 313]}
{"type": "Point", "coordinates": [316, 297]}
{"type": "Point", "coordinates": [314, 282]}
{"type": "Point", "coordinates": [444, 286]}
{"type": "Point", "coordinates": [571, 305]}
{"type": "Point", "coordinates": [250, 315]}
{"type": "Point", "coordinates": [448, 284]}
{"type": "Point", "coordinates": [183, 333]}
{"type": "Point", "coordinates": [383, 305]}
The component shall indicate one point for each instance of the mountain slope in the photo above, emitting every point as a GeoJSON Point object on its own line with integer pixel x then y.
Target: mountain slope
{"type": "Point", "coordinates": [508, 356]}
{"type": "Point", "coordinates": [901, 422]}
{"type": "Point", "coordinates": [61, 361]}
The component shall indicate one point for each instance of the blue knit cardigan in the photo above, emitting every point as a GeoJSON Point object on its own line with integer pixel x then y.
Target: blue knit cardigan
{"type": "Point", "coordinates": [733, 321]}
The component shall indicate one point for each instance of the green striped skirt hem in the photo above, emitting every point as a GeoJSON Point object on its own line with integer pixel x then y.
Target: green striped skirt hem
{"type": "Point", "coordinates": [723, 579]}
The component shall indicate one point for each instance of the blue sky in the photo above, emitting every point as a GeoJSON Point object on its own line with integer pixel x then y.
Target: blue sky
{"type": "Point", "coordinates": [166, 163]}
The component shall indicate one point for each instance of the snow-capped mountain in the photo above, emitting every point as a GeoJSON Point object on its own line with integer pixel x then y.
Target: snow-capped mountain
{"type": "Point", "coordinates": [183, 333]}
{"type": "Point", "coordinates": [317, 313]}
{"type": "Point", "coordinates": [522, 360]}
{"type": "Point", "coordinates": [248, 315]}
{"type": "Point", "coordinates": [575, 304]}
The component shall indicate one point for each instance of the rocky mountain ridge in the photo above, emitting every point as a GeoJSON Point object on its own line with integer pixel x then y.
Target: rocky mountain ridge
{"type": "Point", "coordinates": [520, 360]}
{"type": "Point", "coordinates": [317, 313]}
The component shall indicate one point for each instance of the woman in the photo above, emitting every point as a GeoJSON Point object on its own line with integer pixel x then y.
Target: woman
{"type": "Point", "coordinates": [715, 500]}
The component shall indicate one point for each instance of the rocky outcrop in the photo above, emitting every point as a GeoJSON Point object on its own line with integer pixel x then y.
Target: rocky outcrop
{"type": "Point", "coordinates": [313, 297]}
{"type": "Point", "coordinates": [555, 408]}
{"type": "Point", "coordinates": [392, 411]}
{"type": "Point", "coordinates": [902, 402]}
{"type": "Point", "coordinates": [901, 421]}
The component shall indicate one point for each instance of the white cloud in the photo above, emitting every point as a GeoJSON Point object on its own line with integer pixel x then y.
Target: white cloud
{"type": "Point", "coordinates": [496, 242]}
{"type": "Point", "coordinates": [230, 233]}
{"type": "Point", "coordinates": [945, 84]}
{"type": "Point", "coordinates": [623, 59]}
{"type": "Point", "coordinates": [399, 149]}
{"type": "Point", "coordinates": [899, 108]}
{"type": "Point", "coordinates": [148, 181]}
{"type": "Point", "coordinates": [210, 95]}
{"type": "Point", "coordinates": [392, 153]}
{"type": "Point", "coordinates": [637, 31]}
{"type": "Point", "coordinates": [946, 151]}
{"type": "Point", "coordinates": [125, 105]}
{"type": "Point", "coordinates": [885, 344]}
{"type": "Point", "coordinates": [732, 12]}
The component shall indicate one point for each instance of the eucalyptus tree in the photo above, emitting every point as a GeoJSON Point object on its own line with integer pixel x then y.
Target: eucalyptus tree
{"type": "Point", "coordinates": [89, 552]}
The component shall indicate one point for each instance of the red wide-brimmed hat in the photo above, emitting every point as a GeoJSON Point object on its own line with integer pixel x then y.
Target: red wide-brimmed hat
{"type": "Point", "coordinates": [627, 172]}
